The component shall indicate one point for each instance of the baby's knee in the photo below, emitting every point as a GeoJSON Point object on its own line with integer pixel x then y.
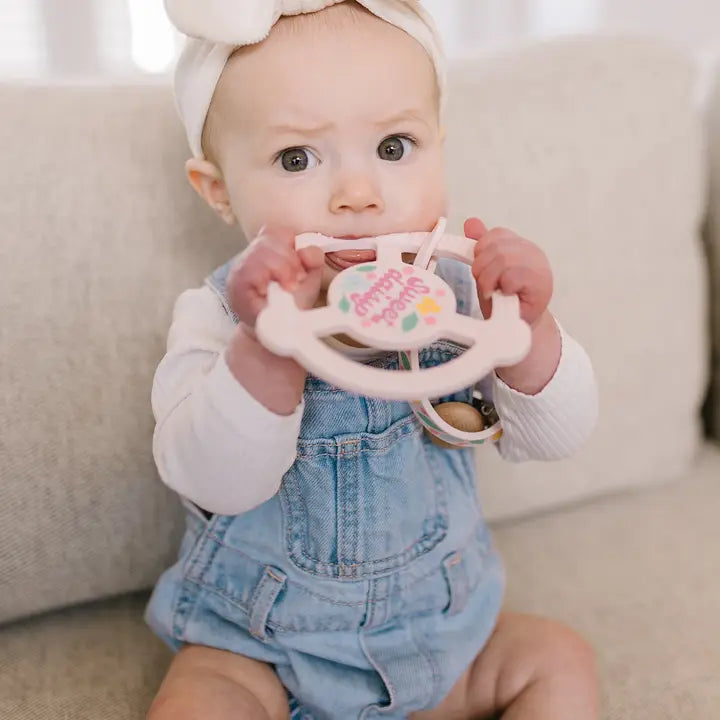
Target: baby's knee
{"type": "Point", "coordinates": [217, 685]}
{"type": "Point", "coordinates": [212, 696]}
{"type": "Point", "coordinates": [166, 706]}
{"type": "Point", "coordinates": [569, 653]}
{"type": "Point", "coordinates": [237, 705]}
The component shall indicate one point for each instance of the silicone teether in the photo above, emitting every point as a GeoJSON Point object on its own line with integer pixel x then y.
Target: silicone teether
{"type": "Point", "coordinates": [391, 305]}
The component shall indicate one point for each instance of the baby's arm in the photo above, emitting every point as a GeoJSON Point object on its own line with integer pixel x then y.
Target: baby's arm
{"type": "Point", "coordinates": [548, 402]}
{"type": "Point", "coordinates": [228, 411]}
{"type": "Point", "coordinates": [215, 442]}
{"type": "Point", "coordinates": [556, 422]}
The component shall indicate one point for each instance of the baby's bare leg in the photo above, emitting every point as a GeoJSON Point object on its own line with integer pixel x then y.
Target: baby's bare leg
{"type": "Point", "coordinates": [530, 669]}
{"type": "Point", "coordinates": [207, 684]}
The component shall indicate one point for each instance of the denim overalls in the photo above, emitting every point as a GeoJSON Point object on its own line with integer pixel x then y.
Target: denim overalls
{"type": "Point", "coordinates": [369, 581]}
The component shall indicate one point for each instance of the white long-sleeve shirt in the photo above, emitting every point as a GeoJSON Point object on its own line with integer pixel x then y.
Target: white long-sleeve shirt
{"type": "Point", "coordinates": [218, 447]}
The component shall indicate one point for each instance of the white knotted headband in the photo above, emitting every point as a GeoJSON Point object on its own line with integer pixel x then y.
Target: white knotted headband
{"type": "Point", "coordinates": [216, 28]}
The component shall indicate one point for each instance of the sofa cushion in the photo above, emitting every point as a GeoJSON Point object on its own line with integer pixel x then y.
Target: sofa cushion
{"type": "Point", "coordinates": [637, 575]}
{"type": "Point", "coordinates": [93, 662]}
{"type": "Point", "coordinates": [594, 148]}
{"type": "Point", "coordinates": [100, 233]}
{"type": "Point", "coordinates": [591, 148]}
{"type": "Point", "coordinates": [627, 572]}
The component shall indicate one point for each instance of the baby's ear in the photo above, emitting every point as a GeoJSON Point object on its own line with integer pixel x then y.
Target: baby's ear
{"type": "Point", "coordinates": [209, 184]}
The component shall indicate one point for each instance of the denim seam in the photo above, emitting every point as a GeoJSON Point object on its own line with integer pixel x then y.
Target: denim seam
{"type": "Point", "coordinates": [405, 426]}
{"type": "Point", "coordinates": [456, 558]}
{"type": "Point", "coordinates": [202, 584]}
{"type": "Point", "coordinates": [264, 603]}
{"type": "Point", "coordinates": [398, 559]}
{"type": "Point", "coordinates": [300, 588]}
{"type": "Point", "coordinates": [342, 603]}
{"type": "Point", "coordinates": [295, 586]}
{"type": "Point", "coordinates": [232, 599]}
{"type": "Point", "coordinates": [419, 547]}
{"type": "Point", "coordinates": [434, 671]}
{"type": "Point", "coordinates": [199, 580]}
{"type": "Point", "coordinates": [409, 553]}
{"type": "Point", "coordinates": [180, 612]}
{"type": "Point", "coordinates": [386, 680]}
{"type": "Point", "coordinates": [197, 554]}
{"type": "Point", "coordinates": [224, 594]}
{"type": "Point", "coordinates": [483, 551]}
{"type": "Point", "coordinates": [345, 536]}
{"type": "Point", "coordinates": [182, 602]}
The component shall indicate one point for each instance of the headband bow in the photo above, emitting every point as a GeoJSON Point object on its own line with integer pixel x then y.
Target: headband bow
{"type": "Point", "coordinates": [236, 22]}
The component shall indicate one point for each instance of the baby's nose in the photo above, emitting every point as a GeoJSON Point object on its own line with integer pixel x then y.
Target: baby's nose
{"type": "Point", "coordinates": [356, 193]}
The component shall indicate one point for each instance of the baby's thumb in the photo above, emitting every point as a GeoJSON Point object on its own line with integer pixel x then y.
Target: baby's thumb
{"type": "Point", "coordinates": [313, 260]}
{"type": "Point", "coordinates": [475, 228]}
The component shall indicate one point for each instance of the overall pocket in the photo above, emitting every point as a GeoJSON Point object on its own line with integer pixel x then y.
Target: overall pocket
{"type": "Point", "coordinates": [361, 505]}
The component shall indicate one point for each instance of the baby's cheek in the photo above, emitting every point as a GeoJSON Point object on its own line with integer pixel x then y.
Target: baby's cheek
{"type": "Point", "coordinates": [427, 199]}
{"type": "Point", "coordinates": [436, 192]}
{"type": "Point", "coordinates": [264, 203]}
{"type": "Point", "coordinates": [432, 207]}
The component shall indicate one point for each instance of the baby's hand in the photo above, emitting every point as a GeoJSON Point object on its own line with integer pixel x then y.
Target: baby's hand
{"type": "Point", "coordinates": [271, 257]}
{"type": "Point", "coordinates": [504, 261]}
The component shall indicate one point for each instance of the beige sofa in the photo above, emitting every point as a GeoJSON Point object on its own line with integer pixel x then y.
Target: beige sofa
{"type": "Point", "coordinates": [595, 148]}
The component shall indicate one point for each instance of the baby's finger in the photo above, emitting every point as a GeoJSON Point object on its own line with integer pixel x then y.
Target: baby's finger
{"type": "Point", "coordinates": [483, 259]}
{"type": "Point", "coordinates": [482, 245]}
{"type": "Point", "coordinates": [256, 279]}
{"type": "Point", "coordinates": [493, 242]}
{"type": "Point", "coordinates": [292, 258]}
{"type": "Point", "coordinates": [488, 279]}
{"type": "Point", "coordinates": [497, 237]}
{"type": "Point", "coordinates": [256, 305]}
{"type": "Point", "coordinates": [312, 258]}
{"type": "Point", "coordinates": [474, 228]}
{"type": "Point", "coordinates": [514, 280]}
{"type": "Point", "coordinates": [284, 266]}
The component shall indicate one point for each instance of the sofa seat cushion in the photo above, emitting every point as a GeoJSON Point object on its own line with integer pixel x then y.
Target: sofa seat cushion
{"type": "Point", "coordinates": [91, 662]}
{"type": "Point", "coordinates": [594, 149]}
{"type": "Point", "coordinates": [93, 259]}
{"type": "Point", "coordinates": [636, 574]}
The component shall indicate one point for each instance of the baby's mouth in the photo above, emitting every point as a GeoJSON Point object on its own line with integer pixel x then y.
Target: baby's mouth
{"type": "Point", "coordinates": [347, 258]}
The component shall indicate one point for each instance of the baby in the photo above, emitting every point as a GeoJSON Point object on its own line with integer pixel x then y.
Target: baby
{"type": "Point", "coordinates": [336, 564]}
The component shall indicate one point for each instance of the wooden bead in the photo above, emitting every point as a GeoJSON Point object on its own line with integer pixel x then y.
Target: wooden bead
{"type": "Point", "coordinates": [461, 416]}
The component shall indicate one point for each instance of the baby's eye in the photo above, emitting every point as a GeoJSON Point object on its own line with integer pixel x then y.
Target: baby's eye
{"type": "Point", "coordinates": [298, 159]}
{"type": "Point", "coordinates": [395, 147]}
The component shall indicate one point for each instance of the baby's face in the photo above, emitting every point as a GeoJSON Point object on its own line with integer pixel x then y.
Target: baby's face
{"type": "Point", "coordinates": [331, 129]}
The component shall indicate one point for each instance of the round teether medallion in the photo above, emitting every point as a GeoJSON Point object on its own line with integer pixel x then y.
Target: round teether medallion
{"type": "Point", "coordinates": [392, 306]}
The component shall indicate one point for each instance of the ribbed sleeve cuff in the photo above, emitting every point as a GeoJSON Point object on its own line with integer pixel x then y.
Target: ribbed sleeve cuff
{"type": "Point", "coordinates": [557, 421]}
